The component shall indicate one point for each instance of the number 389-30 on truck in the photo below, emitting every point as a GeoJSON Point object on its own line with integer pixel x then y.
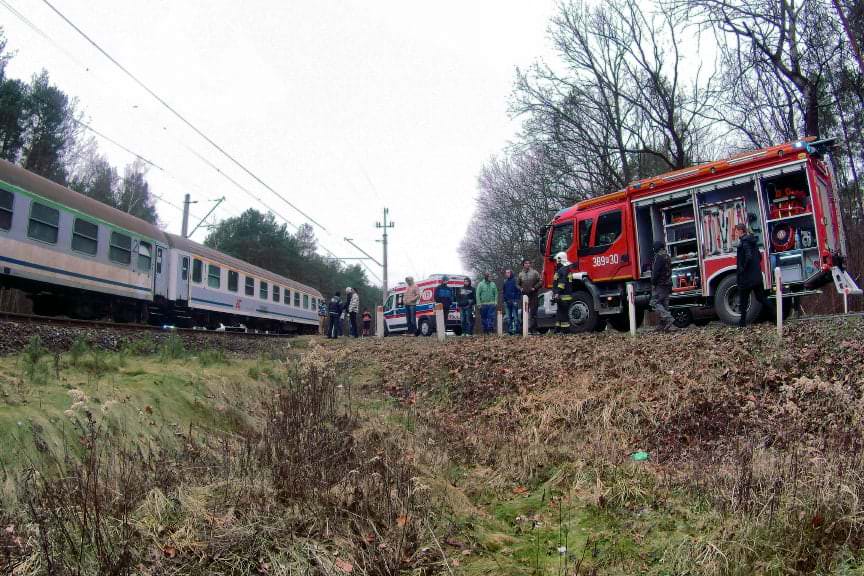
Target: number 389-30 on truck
{"type": "Point", "coordinates": [784, 194]}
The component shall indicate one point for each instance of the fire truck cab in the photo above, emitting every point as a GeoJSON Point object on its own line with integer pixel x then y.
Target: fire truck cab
{"type": "Point", "coordinates": [785, 196]}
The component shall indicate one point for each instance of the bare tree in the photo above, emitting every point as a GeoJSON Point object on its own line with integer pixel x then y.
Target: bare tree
{"type": "Point", "coordinates": [774, 43]}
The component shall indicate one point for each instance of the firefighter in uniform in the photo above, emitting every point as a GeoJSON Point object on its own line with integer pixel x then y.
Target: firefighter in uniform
{"type": "Point", "coordinates": [562, 292]}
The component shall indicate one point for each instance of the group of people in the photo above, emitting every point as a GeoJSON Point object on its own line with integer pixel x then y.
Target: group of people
{"type": "Point", "coordinates": [482, 298]}
{"type": "Point", "coordinates": [748, 268]}
{"type": "Point", "coordinates": [332, 314]}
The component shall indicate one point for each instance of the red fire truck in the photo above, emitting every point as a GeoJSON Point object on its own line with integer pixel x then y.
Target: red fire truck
{"type": "Point", "coordinates": [786, 196]}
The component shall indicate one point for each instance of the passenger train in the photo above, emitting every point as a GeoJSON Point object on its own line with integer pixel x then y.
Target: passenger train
{"type": "Point", "coordinates": [74, 256]}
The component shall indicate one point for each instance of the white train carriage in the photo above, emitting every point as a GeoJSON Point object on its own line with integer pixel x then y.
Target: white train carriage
{"type": "Point", "coordinates": [75, 255]}
{"type": "Point", "coordinates": [220, 289]}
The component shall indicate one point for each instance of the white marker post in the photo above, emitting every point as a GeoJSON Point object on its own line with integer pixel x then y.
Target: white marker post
{"type": "Point", "coordinates": [778, 282]}
{"type": "Point", "coordinates": [440, 325]}
{"type": "Point", "coordinates": [500, 319]}
{"type": "Point", "coordinates": [846, 300]}
{"type": "Point", "coordinates": [631, 306]}
{"type": "Point", "coordinates": [379, 321]}
{"type": "Point", "coordinates": [526, 316]}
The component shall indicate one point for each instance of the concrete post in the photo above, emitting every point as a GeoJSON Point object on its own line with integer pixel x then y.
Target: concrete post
{"type": "Point", "coordinates": [500, 321]}
{"type": "Point", "coordinates": [778, 282]}
{"type": "Point", "coordinates": [846, 300]}
{"type": "Point", "coordinates": [526, 316]}
{"type": "Point", "coordinates": [379, 321]}
{"type": "Point", "coordinates": [631, 306]}
{"type": "Point", "coordinates": [440, 324]}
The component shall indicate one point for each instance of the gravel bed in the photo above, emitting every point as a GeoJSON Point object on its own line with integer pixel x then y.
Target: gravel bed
{"type": "Point", "coordinates": [14, 337]}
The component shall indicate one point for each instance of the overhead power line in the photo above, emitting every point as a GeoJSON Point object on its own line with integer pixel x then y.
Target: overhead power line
{"type": "Point", "coordinates": [180, 116]}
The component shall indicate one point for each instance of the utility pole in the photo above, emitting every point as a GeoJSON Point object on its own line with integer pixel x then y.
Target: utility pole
{"type": "Point", "coordinates": [385, 225]}
{"type": "Point", "coordinates": [185, 230]}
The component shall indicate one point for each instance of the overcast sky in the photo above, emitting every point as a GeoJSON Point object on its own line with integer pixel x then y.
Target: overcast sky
{"type": "Point", "coordinates": [343, 107]}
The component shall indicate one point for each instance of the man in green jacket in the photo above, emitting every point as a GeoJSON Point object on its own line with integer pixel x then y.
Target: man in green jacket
{"type": "Point", "coordinates": [487, 300]}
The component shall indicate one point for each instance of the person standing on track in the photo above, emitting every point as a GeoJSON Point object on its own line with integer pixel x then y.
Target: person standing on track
{"type": "Point", "coordinates": [748, 261]}
{"type": "Point", "coordinates": [410, 300]}
{"type": "Point", "coordinates": [353, 307]}
{"type": "Point", "coordinates": [529, 283]}
{"type": "Point", "coordinates": [322, 317]}
{"type": "Point", "coordinates": [661, 286]}
{"type": "Point", "coordinates": [334, 310]}
{"type": "Point", "coordinates": [487, 300]}
{"type": "Point", "coordinates": [562, 292]}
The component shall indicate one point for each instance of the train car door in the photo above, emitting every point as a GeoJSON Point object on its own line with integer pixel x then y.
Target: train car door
{"type": "Point", "coordinates": [183, 282]}
{"type": "Point", "coordinates": [160, 277]}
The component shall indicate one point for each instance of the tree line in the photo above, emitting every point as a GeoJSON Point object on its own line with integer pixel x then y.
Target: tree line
{"type": "Point", "coordinates": [641, 88]}
{"type": "Point", "coordinates": [41, 129]}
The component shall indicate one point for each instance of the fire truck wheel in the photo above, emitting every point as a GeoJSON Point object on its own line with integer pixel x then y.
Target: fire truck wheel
{"type": "Point", "coordinates": [583, 316]}
{"type": "Point", "coordinates": [726, 302]}
{"type": "Point", "coordinates": [425, 327]}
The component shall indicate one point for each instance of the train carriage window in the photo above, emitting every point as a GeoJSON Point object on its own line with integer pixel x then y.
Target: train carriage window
{"type": "Point", "coordinates": [262, 291]}
{"type": "Point", "coordinates": [286, 297]}
{"type": "Point", "coordinates": [44, 223]}
{"type": "Point", "coordinates": [184, 268]}
{"type": "Point", "coordinates": [158, 260]}
{"type": "Point", "coordinates": [562, 238]}
{"type": "Point", "coordinates": [250, 286]}
{"type": "Point", "coordinates": [214, 276]}
{"type": "Point", "coordinates": [85, 237]}
{"type": "Point", "coordinates": [197, 270]}
{"type": "Point", "coordinates": [145, 256]}
{"type": "Point", "coordinates": [306, 301]}
{"type": "Point", "coordinates": [608, 228]}
{"type": "Point", "coordinates": [233, 281]}
{"type": "Point", "coordinates": [296, 299]}
{"type": "Point", "coordinates": [120, 248]}
{"type": "Point", "coordinates": [276, 295]}
{"type": "Point", "coordinates": [6, 200]}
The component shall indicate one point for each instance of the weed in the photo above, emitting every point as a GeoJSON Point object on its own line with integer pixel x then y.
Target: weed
{"type": "Point", "coordinates": [143, 346]}
{"type": "Point", "coordinates": [78, 350]}
{"type": "Point", "coordinates": [211, 356]}
{"type": "Point", "coordinates": [172, 348]}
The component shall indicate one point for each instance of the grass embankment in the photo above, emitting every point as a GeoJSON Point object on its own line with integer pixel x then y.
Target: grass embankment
{"type": "Point", "coordinates": [158, 460]}
{"type": "Point", "coordinates": [756, 463]}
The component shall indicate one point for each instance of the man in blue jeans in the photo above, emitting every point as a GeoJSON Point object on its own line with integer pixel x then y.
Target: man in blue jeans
{"type": "Point", "coordinates": [512, 303]}
{"type": "Point", "coordinates": [466, 306]}
{"type": "Point", "coordinates": [487, 299]}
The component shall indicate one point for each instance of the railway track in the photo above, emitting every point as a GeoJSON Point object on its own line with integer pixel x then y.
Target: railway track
{"type": "Point", "coordinates": [131, 327]}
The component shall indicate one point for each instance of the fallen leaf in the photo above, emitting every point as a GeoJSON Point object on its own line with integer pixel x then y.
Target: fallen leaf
{"type": "Point", "coordinates": [169, 551]}
{"type": "Point", "coordinates": [344, 566]}
{"type": "Point", "coordinates": [520, 490]}
{"type": "Point", "coordinates": [401, 520]}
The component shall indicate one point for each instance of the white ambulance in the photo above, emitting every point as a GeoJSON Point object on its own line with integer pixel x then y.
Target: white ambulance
{"type": "Point", "coordinates": [395, 320]}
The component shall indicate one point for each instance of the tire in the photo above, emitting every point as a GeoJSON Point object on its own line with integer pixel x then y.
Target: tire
{"type": "Point", "coordinates": [682, 317]}
{"type": "Point", "coordinates": [425, 327]}
{"type": "Point", "coordinates": [457, 331]}
{"type": "Point", "coordinates": [726, 302]}
{"type": "Point", "coordinates": [386, 330]}
{"type": "Point", "coordinates": [583, 316]}
{"type": "Point", "coordinates": [601, 325]}
{"type": "Point", "coordinates": [621, 322]}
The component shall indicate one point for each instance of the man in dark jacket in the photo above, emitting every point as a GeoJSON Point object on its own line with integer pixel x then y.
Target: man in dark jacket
{"type": "Point", "coordinates": [466, 302]}
{"type": "Point", "coordinates": [749, 271]}
{"type": "Point", "coordinates": [661, 286]}
{"type": "Point", "coordinates": [334, 310]}
{"type": "Point", "coordinates": [444, 296]}
{"type": "Point", "coordinates": [512, 297]}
